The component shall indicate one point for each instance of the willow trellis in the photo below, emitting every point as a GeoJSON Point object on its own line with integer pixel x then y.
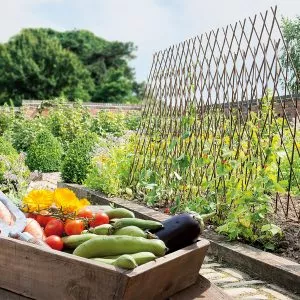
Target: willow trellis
{"type": "Point", "coordinates": [219, 109]}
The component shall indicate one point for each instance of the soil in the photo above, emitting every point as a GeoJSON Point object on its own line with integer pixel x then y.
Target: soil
{"type": "Point", "coordinates": [289, 246]}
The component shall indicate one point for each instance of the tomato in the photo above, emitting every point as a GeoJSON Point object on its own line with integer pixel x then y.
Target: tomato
{"type": "Point", "coordinates": [31, 215]}
{"type": "Point", "coordinates": [74, 227]}
{"type": "Point", "coordinates": [54, 227]}
{"type": "Point", "coordinates": [85, 213]}
{"type": "Point", "coordinates": [43, 218]}
{"type": "Point", "coordinates": [99, 219]}
{"type": "Point", "coordinates": [167, 210]}
{"type": "Point", "coordinates": [55, 242]}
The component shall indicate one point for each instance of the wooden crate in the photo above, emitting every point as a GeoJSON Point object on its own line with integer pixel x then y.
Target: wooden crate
{"type": "Point", "coordinates": [39, 273]}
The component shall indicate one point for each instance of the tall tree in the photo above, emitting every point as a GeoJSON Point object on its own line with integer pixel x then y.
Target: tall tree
{"type": "Point", "coordinates": [102, 58]}
{"type": "Point", "coordinates": [32, 66]}
{"type": "Point", "coordinates": [115, 87]}
{"type": "Point", "coordinates": [290, 57]}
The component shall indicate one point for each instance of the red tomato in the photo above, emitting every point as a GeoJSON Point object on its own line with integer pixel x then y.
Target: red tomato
{"type": "Point", "coordinates": [167, 210]}
{"type": "Point", "coordinates": [85, 213]}
{"type": "Point", "coordinates": [55, 242]}
{"type": "Point", "coordinates": [31, 215]}
{"type": "Point", "coordinates": [43, 219]}
{"type": "Point", "coordinates": [99, 219]}
{"type": "Point", "coordinates": [54, 227]}
{"type": "Point", "coordinates": [74, 227]}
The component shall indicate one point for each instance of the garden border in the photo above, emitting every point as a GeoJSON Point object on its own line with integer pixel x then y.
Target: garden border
{"type": "Point", "coordinates": [256, 262]}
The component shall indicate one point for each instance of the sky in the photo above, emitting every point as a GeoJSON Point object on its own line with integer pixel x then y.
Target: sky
{"type": "Point", "coordinates": [152, 25]}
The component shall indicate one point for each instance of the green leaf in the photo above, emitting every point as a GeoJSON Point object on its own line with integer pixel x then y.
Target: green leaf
{"type": "Point", "coordinates": [273, 229]}
{"type": "Point", "coordinates": [150, 186]}
{"type": "Point", "coordinates": [279, 188]}
{"type": "Point", "coordinates": [227, 153]}
{"type": "Point", "coordinates": [172, 145]}
{"type": "Point", "coordinates": [177, 175]}
{"type": "Point", "coordinates": [269, 246]}
{"type": "Point", "coordinates": [186, 135]}
{"type": "Point", "coordinates": [183, 161]}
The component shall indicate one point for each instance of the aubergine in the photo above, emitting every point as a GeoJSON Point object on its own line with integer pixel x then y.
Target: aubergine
{"type": "Point", "coordinates": [179, 231]}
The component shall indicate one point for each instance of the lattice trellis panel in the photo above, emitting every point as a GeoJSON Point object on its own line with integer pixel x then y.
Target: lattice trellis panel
{"type": "Point", "coordinates": [219, 111]}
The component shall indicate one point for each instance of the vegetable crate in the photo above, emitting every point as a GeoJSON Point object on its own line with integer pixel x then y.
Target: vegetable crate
{"type": "Point", "coordinates": [40, 273]}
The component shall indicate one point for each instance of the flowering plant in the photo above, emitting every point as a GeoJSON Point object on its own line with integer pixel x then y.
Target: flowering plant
{"type": "Point", "coordinates": [61, 198]}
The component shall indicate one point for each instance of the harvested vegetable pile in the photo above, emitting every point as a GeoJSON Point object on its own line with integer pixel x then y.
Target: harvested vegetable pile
{"type": "Point", "coordinates": [58, 219]}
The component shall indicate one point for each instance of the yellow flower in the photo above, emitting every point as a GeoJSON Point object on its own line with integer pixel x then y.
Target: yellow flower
{"type": "Point", "coordinates": [102, 158]}
{"type": "Point", "coordinates": [81, 204]}
{"type": "Point", "coordinates": [67, 200]}
{"type": "Point", "coordinates": [84, 202]}
{"type": "Point", "coordinates": [38, 200]}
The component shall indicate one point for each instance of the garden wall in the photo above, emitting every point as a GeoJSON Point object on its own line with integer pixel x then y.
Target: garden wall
{"type": "Point", "coordinates": [31, 107]}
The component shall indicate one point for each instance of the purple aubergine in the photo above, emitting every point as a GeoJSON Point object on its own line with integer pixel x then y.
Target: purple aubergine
{"type": "Point", "coordinates": [179, 231]}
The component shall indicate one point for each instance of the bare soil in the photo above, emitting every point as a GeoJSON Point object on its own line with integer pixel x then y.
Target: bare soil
{"type": "Point", "coordinates": [289, 222]}
{"type": "Point", "coordinates": [289, 246]}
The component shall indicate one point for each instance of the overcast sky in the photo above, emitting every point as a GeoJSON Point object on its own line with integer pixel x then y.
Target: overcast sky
{"type": "Point", "coordinates": [151, 24]}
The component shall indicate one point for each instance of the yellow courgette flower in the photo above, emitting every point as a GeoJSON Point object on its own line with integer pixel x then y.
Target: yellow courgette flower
{"type": "Point", "coordinates": [38, 200]}
{"type": "Point", "coordinates": [62, 198]}
{"type": "Point", "coordinates": [67, 200]}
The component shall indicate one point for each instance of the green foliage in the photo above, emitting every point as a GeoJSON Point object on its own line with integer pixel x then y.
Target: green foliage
{"type": "Point", "coordinates": [107, 63]}
{"type": "Point", "coordinates": [7, 116]}
{"type": "Point", "coordinates": [45, 153]}
{"type": "Point", "coordinates": [108, 123]}
{"type": "Point", "coordinates": [24, 131]}
{"type": "Point", "coordinates": [77, 160]}
{"type": "Point", "coordinates": [67, 122]}
{"type": "Point", "coordinates": [36, 67]}
{"type": "Point", "coordinates": [115, 87]}
{"type": "Point", "coordinates": [6, 148]}
{"type": "Point", "coordinates": [44, 63]}
{"type": "Point", "coordinates": [97, 54]}
{"type": "Point", "coordinates": [132, 120]}
{"type": "Point", "coordinates": [233, 171]}
{"type": "Point", "coordinates": [291, 60]}
{"type": "Point", "coordinates": [110, 171]}
{"type": "Point", "coordinates": [14, 175]}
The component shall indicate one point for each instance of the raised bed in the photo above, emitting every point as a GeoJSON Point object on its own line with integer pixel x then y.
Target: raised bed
{"type": "Point", "coordinates": [40, 273]}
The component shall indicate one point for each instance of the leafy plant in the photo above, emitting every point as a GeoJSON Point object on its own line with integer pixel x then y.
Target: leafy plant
{"type": "Point", "coordinates": [238, 168]}
{"type": "Point", "coordinates": [24, 131]}
{"type": "Point", "coordinates": [45, 153]}
{"type": "Point", "coordinates": [132, 120]}
{"type": "Point", "coordinates": [77, 161]}
{"type": "Point", "coordinates": [6, 148]}
{"type": "Point", "coordinates": [110, 171]}
{"type": "Point", "coordinates": [7, 116]}
{"type": "Point", "coordinates": [66, 122]}
{"type": "Point", "coordinates": [291, 60]}
{"type": "Point", "coordinates": [14, 176]}
{"type": "Point", "coordinates": [108, 123]}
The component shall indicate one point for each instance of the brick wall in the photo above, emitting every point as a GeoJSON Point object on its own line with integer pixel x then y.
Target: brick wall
{"type": "Point", "coordinates": [31, 107]}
